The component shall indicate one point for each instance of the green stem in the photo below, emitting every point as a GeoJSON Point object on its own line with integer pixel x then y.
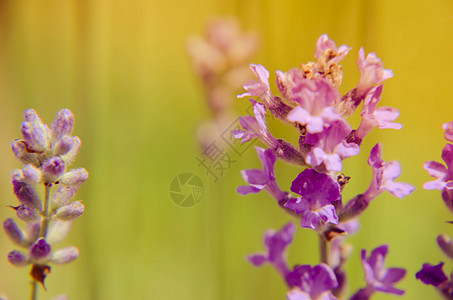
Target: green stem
{"type": "Point", "coordinates": [323, 249]}
{"type": "Point", "coordinates": [46, 218]}
{"type": "Point", "coordinates": [34, 290]}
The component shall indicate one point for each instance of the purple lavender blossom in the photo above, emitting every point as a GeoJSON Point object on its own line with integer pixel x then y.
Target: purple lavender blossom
{"type": "Point", "coordinates": [330, 146]}
{"type": "Point", "coordinates": [443, 175]}
{"type": "Point", "coordinates": [384, 175]}
{"type": "Point", "coordinates": [319, 192]}
{"type": "Point", "coordinates": [258, 88]}
{"type": "Point", "coordinates": [255, 126]}
{"type": "Point", "coordinates": [432, 275]}
{"type": "Point", "coordinates": [377, 276]}
{"type": "Point", "coordinates": [315, 110]}
{"type": "Point", "coordinates": [324, 44]}
{"type": "Point", "coordinates": [262, 179]}
{"type": "Point", "coordinates": [312, 282]}
{"type": "Point", "coordinates": [46, 153]}
{"type": "Point", "coordinates": [372, 116]}
{"type": "Point", "coordinates": [40, 251]}
{"type": "Point", "coordinates": [372, 71]}
{"type": "Point", "coordinates": [448, 127]}
{"type": "Point", "coordinates": [276, 243]}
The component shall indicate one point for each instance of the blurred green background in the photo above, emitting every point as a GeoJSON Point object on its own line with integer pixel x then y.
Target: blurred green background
{"type": "Point", "coordinates": [121, 67]}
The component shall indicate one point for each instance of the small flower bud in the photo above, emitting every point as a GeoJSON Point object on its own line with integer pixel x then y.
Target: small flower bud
{"type": "Point", "coordinates": [35, 133]}
{"type": "Point", "coordinates": [33, 230]}
{"type": "Point", "coordinates": [17, 258]}
{"type": "Point", "coordinates": [15, 233]}
{"type": "Point", "coordinates": [22, 154]}
{"type": "Point", "coordinates": [26, 194]}
{"type": "Point", "coordinates": [31, 174]}
{"type": "Point", "coordinates": [52, 169]}
{"type": "Point", "coordinates": [63, 124]}
{"type": "Point", "coordinates": [40, 251]}
{"type": "Point", "coordinates": [74, 177]}
{"type": "Point", "coordinates": [58, 230]}
{"type": "Point", "coordinates": [70, 212]}
{"type": "Point", "coordinates": [27, 214]}
{"type": "Point", "coordinates": [63, 145]}
{"type": "Point", "coordinates": [65, 255]}
{"type": "Point", "coordinates": [71, 154]}
{"type": "Point", "coordinates": [63, 195]}
{"type": "Point", "coordinates": [446, 244]}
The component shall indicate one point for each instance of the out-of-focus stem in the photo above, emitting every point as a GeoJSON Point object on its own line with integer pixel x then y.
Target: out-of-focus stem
{"type": "Point", "coordinates": [323, 248]}
{"type": "Point", "coordinates": [34, 290]}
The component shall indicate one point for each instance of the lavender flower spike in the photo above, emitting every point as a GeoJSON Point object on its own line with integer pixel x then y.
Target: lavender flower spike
{"type": "Point", "coordinates": [377, 276]}
{"type": "Point", "coordinates": [319, 192]}
{"type": "Point", "coordinates": [276, 243]}
{"type": "Point", "coordinates": [47, 154]}
{"type": "Point", "coordinates": [262, 179]}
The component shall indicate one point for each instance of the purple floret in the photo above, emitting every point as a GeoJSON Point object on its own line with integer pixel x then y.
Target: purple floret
{"type": "Point", "coordinates": [319, 191]}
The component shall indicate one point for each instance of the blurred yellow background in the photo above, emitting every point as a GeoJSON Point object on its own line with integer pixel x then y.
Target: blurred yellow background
{"type": "Point", "coordinates": [121, 67]}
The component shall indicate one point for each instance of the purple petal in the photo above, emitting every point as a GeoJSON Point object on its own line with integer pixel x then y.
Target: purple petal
{"type": "Point", "coordinates": [257, 259]}
{"type": "Point", "coordinates": [309, 219]}
{"type": "Point", "coordinates": [448, 127]}
{"type": "Point", "coordinates": [432, 275]}
{"type": "Point", "coordinates": [315, 186]}
{"type": "Point", "coordinates": [17, 258]}
{"type": "Point", "coordinates": [393, 276]}
{"type": "Point", "coordinates": [40, 251]}
{"type": "Point", "coordinates": [248, 189]}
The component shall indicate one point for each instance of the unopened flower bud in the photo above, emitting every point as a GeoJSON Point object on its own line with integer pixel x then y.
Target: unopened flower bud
{"type": "Point", "coordinates": [35, 133]}
{"type": "Point", "coordinates": [63, 124]}
{"type": "Point", "coordinates": [71, 154]}
{"type": "Point", "coordinates": [65, 255]}
{"type": "Point", "coordinates": [446, 244]}
{"type": "Point", "coordinates": [31, 174]}
{"type": "Point", "coordinates": [33, 230]}
{"type": "Point", "coordinates": [63, 145]}
{"type": "Point", "coordinates": [40, 251]}
{"type": "Point", "coordinates": [22, 154]}
{"type": "Point", "coordinates": [52, 169]}
{"type": "Point", "coordinates": [15, 233]}
{"type": "Point", "coordinates": [26, 193]}
{"type": "Point", "coordinates": [70, 212]}
{"type": "Point", "coordinates": [17, 258]}
{"type": "Point", "coordinates": [74, 177]}
{"type": "Point", "coordinates": [58, 230]}
{"type": "Point", "coordinates": [27, 214]}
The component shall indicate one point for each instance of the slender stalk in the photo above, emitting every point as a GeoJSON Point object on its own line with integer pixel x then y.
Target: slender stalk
{"type": "Point", "coordinates": [34, 290]}
{"type": "Point", "coordinates": [323, 248]}
{"type": "Point", "coordinates": [46, 217]}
